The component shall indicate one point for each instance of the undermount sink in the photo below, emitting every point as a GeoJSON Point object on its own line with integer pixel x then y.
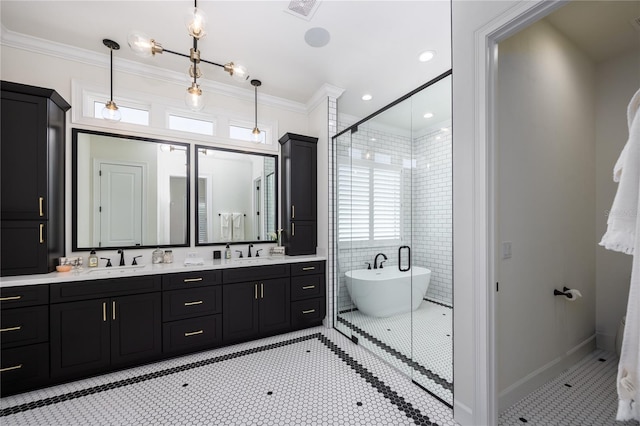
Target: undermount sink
{"type": "Point", "coordinates": [115, 270]}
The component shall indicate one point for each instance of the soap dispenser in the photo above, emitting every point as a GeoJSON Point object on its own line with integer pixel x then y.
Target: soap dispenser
{"type": "Point", "coordinates": [227, 252]}
{"type": "Point", "coordinates": [93, 259]}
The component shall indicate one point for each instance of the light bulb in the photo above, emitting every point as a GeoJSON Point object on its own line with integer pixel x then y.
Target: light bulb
{"type": "Point", "coordinates": [194, 98]}
{"type": "Point", "coordinates": [237, 71]}
{"type": "Point", "coordinates": [142, 44]}
{"type": "Point", "coordinates": [256, 135]}
{"type": "Point", "coordinates": [195, 21]}
{"type": "Point", "coordinates": [110, 112]}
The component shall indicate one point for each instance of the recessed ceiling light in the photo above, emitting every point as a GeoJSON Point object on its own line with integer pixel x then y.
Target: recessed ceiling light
{"type": "Point", "coordinates": [427, 56]}
{"type": "Point", "coordinates": [367, 97]}
{"type": "Point", "coordinates": [428, 115]}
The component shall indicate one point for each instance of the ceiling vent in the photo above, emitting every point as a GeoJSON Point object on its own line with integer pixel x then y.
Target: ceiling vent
{"type": "Point", "coordinates": [303, 8]}
{"type": "Point", "coordinates": [636, 23]}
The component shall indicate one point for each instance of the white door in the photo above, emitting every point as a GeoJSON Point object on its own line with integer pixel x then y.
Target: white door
{"type": "Point", "coordinates": [120, 208]}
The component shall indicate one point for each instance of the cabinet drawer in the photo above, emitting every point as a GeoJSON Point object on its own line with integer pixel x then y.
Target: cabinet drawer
{"type": "Point", "coordinates": [24, 367]}
{"type": "Point", "coordinates": [24, 326]}
{"type": "Point", "coordinates": [307, 268]}
{"type": "Point", "coordinates": [307, 287]}
{"type": "Point", "coordinates": [237, 275]}
{"type": "Point", "coordinates": [192, 333]}
{"type": "Point", "coordinates": [83, 290]}
{"type": "Point", "coordinates": [191, 279]}
{"type": "Point", "coordinates": [306, 313]}
{"type": "Point", "coordinates": [181, 304]}
{"type": "Point", "coordinates": [21, 296]}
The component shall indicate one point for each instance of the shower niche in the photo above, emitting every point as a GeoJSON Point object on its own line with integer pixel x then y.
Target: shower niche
{"type": "Point", "coordinates": [392, 234]}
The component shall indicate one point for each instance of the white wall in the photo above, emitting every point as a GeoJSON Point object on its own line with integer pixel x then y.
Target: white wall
{"type": "Point", "coordinates": [546, 199]}
{"type": "Point", "coordinates": [616, 81]}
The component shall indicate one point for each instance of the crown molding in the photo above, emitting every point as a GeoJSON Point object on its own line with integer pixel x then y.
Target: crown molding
{"type": "Point", "coordinates": [38, 45]}
{"type": "Point", "coordinates": [325, 91]}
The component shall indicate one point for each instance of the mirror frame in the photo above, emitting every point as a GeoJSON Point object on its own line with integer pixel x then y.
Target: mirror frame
{"type": "Point", "coordinates": [276, 158]}
{"type": "Point", "coordinates": [74, 187]}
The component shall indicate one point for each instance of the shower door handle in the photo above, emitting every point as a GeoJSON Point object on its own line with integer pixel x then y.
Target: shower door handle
{"type": "Point", "coordinates": [400, 258]}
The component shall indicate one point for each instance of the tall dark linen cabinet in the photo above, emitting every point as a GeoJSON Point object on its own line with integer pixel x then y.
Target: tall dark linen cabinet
{"type": "Point", "coordinates": [32, 153]}
{"type": "Point", "coordinates": [299, 194]}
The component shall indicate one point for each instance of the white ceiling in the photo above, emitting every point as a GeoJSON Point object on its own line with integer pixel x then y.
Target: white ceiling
{"type": "Point", "coordinates": [374, 45]}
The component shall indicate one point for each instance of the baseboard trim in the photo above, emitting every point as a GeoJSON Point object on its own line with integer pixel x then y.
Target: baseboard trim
{"type": "Point", "coordinates": [537, 378]}
{"type": "Point", "coordinates": [462, 414]}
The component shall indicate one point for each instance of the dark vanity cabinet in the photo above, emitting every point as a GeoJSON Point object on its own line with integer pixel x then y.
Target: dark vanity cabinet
{"type": "Point", "coordinates": [256, 302]}
{"type": "Point", "coordinates": [24, 334]}
{"type": "Point", "coordinates": [308, 300]}
{"type": "Point", "coordinates": [299, 194]}
{"type": "Point", "coordinates": [104, 324]}
{"type": "Point", "coordinates": [191, 311]}
{"type": "Point", "coordinates": [32, 160]}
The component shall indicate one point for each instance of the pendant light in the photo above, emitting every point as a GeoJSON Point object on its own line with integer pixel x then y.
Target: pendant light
{"type": "Point", "coordinates": [195, 21]}
{"type": "Point", "coordinates": [255, 133]}
{"type": "Point", "coordinates": [110, 111]}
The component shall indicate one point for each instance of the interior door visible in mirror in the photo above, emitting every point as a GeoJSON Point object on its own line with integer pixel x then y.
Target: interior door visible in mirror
{"type": "Point", "coordinates": [129, 191]}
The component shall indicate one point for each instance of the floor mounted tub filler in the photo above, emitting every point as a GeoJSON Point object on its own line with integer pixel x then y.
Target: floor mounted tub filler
{"type": "Point", "coordinates": [388, 291]}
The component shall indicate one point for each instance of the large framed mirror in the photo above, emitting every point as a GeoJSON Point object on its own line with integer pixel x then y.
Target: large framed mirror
{"type": "Point", "coordinates": [129, 191]}
{"type": "Point", "coordinates": [237, 196]}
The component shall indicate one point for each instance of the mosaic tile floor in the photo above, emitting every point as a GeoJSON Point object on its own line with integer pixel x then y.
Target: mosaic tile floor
{"type": "Point", "coordinates": [427, 357]}
{"type": "Point", "coordinates": [583, 395]}
{"type": "Point", "coordinates": [311, 377]}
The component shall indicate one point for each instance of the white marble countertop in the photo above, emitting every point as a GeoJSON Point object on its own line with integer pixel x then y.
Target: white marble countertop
{"type": "Point", "coordinates": [85, 273]}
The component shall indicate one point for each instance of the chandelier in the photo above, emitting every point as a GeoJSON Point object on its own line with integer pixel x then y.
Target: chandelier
{"type": "Point", "coordinates": [195, 21]}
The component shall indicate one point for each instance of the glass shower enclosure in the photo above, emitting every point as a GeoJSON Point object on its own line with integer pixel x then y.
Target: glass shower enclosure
{"type": "Point", "coordinates": [392, 235]}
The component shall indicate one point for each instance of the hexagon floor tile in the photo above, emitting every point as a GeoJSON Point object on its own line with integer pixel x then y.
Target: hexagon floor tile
{"type": "Point", "coordinates": [311, 377]}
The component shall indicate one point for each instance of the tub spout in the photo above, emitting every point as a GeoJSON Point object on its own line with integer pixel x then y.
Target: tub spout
{"type": "Point", "coordinates": [375, 261]}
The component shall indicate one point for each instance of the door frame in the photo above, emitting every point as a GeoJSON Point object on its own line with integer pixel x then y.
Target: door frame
{"type": "Point", "coordinates": [484, 257]}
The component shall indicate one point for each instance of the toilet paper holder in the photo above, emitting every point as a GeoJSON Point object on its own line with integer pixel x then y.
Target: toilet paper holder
{"type": "Point", "coordinates": [565, 292]}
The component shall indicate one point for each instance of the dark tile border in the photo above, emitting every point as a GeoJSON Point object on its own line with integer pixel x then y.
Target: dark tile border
{"type": "Point", "coordinates": [393, 397]}
{"type": "Point", "coordinates": [438, 303]}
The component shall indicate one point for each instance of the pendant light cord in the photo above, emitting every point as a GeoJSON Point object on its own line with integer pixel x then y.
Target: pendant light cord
{"type": "Point", "coordinates": [111, 72]}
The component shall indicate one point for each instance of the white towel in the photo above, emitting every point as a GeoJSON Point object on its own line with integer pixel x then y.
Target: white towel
{"type": "Point", "coordinates": [238, 226]}
{"type": "Point", "coordinates": [623, 234]}
{"type": "Point", "coordinates": [621, 223]}
{"type": "Point", "coordinates": [225, 226]}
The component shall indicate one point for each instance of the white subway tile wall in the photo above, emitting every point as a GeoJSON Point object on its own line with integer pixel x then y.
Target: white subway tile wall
{"type": "Point", "coordinates": [427, 205]}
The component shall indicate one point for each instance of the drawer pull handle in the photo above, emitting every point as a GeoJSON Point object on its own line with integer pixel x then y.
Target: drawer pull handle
{"type": "Point", "coordinates": [4, 299]}
{"type": "Point", "coordinates": [42, 233]}
{"type": "Point", "coordinates": [193, 333]}
{"type": "Point", "coordinates": [198, 302]}
{"type": "Point", "coordinates": [310, 311]}
{"type": "Point", "coordinates": [114, 309]}
{"type": "Point", "coordinates": [2, 330]}
{"type": "Point", "coordinates": [308, 287]}
{"type": "Point", "coordinates": [104, 311]}
{"type": "Point", "coordinates": [192, 280]}
{"type": "Point", "coordinates": [255, 286]}
{"type": "Point", "coordinates": [261, 291]}
{"type": "Point", "coordinates": [15, 367]}
{"type": "Point", "coordinates": [41, 201]}
{"type": "Point", "coordinates": [308, 268]}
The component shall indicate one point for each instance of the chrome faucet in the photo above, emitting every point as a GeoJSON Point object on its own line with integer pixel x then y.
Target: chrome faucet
{"type": "Point", "coordinates": [121, 253]}
{"type": "Point", "coordinates": [375, 261]}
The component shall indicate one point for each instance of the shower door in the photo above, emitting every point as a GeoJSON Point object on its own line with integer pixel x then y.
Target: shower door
{"type": "Point", "coordinates": [392, 236]}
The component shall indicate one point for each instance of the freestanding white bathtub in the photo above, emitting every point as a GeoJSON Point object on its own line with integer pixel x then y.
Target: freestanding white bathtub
{"type": "Point", "coordinates": [388, 291]}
